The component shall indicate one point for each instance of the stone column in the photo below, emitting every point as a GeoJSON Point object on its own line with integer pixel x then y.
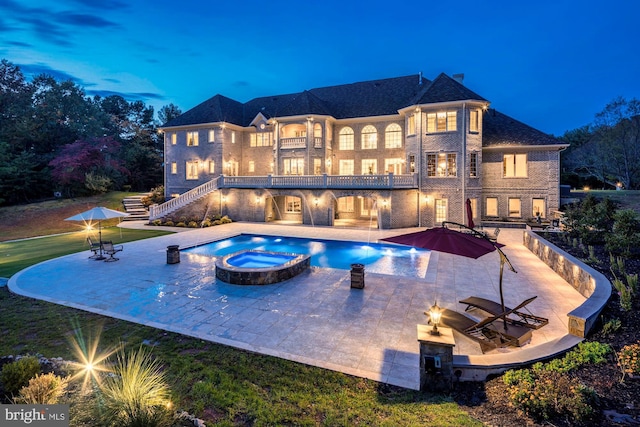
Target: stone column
{"type": "Point", "coordinates": [436, 358]}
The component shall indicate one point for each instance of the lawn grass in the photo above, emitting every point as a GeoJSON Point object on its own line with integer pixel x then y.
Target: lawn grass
{"type": "Point", "coordinates": [219, 384]}
{"type": "Point", "coordinates": [19, 254]}
{"type": "Point", "coordinates": [224, 385]}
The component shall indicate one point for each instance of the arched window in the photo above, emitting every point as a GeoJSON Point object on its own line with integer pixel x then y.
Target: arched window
{"type": "Point", "coordinates": [345, 139]}
{"type": "Point", "coordinates": [369, 138]}
{"type": "Point", "coordinates": [393, 136]}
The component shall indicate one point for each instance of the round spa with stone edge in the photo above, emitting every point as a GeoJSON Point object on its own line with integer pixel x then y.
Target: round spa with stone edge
{"type": "Point", "coordinates": [253, 267]}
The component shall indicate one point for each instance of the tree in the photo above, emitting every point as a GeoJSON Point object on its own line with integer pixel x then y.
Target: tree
{"type": "Point", "coordinates": [168, 113]}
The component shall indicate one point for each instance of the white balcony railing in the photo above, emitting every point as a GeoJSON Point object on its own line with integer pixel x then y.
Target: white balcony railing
{"type": "Point", "coordinates": [297, 142]}
{"type": "Point", "coordinates": [387, 181]}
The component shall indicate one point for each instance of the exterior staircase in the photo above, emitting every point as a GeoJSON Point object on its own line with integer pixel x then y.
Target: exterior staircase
{"type": "Point", "coordinates": [159, 211]}
{"type": "Point", "coordinates": [134, 207]}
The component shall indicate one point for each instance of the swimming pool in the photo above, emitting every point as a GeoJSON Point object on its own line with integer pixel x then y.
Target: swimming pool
{"type": "Point", "coordinates": [377, 258]}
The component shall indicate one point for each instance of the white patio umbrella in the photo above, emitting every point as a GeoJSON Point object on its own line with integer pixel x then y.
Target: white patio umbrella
{"type": "Point", "coordinates": [97, 214]}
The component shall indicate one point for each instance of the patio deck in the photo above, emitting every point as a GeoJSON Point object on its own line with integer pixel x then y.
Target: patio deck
{"type": "Point", "coordinates": [315, 318]}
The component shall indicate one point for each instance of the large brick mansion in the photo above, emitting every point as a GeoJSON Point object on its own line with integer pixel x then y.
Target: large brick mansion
{"type": "Point", "coordinates": [403, 152]}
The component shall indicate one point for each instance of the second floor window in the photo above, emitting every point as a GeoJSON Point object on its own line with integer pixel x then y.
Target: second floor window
{"type": "Point", "coordinates": [393, 136]}
{"type": "Point", "coordinates": [369, 138]}
{"type": "Point", "coordinates": [345, 139]}
{"type": "Point", "coordinates": [369, 166]}
{"type": "Point", "coordinates": [514, 165]}
{"type": "Point", "coordinates": [346, 167]}
{"type": "Point", "coordinates": [442, 165]}
{"type": "Point", "coordinates": [262, 139]}
{"type": "Point", "coordinates": [212, 135]}
{"type": "Point", "coordinates": [474, 121]}
{"type": "Point", "coordinates": [444, 121]}
{"type": "Point", "coordinates": [174, 168]}
{"type": "Point", "coordinates": [252, 166]}
{"type": "Point", "coordinates": [411, 124]}
{"type": "Point", "coordinates": [174, 138]}
{"type": "Point", "coordinates": [393, 166]}
{"type": "Point", "coordinates": [212, 166]}
{"type": "Point", "coordinates": [293, 166]}
{"type": "Point", "coordinates": [192, 139]}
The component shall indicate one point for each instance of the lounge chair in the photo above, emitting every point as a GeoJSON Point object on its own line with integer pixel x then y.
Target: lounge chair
{"type": "Point", "coordinates": [516, 316]}
{"type": "Point", "coordinates": [94, 247]}
{"type": "Point", "coordinates": [490, 332]}
{"type": "Point", "coordinates": [109, 249]}
{"type": "Point", "coordinates": [494, 235]}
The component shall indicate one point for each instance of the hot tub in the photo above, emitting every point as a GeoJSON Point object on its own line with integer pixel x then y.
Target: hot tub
{"type": "Point", "coordinates": [252, 267]}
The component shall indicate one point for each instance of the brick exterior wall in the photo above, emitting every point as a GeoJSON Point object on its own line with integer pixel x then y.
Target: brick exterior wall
{"type": "Point", "coordinates": [403, 208]}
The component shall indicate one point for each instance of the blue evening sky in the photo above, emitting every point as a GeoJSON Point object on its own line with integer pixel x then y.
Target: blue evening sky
{"type": "Point", "coordinates": [552, 64]}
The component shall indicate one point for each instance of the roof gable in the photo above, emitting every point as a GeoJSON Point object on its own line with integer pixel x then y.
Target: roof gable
{"type": "Point", "coordinates": [216, 109]}
{"type": "Point", "coordinates": [446, 89]}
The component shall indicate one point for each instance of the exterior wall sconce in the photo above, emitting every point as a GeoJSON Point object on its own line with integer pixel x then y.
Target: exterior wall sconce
{"type": "Point", "coordinates": [224, 199]}
{"type": "Point", "coordinates": [385, 202]}
{"type": "Point", "coordinates": [427, 199]}
{"type": "Point", "coordinates": [258, 199]}
{"type": "Point", "coordinates": [435, 314]}
{"type": "Point", "coordinates": [316, 201]}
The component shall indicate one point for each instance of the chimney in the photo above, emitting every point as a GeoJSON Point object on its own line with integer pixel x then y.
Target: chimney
{"type": "Point", "coordinates": [420, 79]}
{"type": "Point", "coordinates": [458, 77]}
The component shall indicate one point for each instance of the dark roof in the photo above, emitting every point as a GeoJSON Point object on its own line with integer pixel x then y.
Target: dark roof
{"type": "Point", "coordinates": [501, 130]}
{"type": "Point", "coordinates": [361, 99]}
{"type": "Point", "coordinates": [444, 89]}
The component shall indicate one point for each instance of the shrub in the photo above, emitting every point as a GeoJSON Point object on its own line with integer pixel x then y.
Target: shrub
{"type": "Point", "coordinates": [225, 220]}
{"type": "Point", "coordinates": [206, 223]}
{"type": "Point", "coordinates": [181, 224]}
{"type": "Point", "coordinates": [156, 196]}
{"type": "Point", "coordinates": [97, 184]}
{"type": "Point", "coordinates": [137, 394]}
{"type": "Point", "coordinates": [43, 389]}
{"type": "Point", "coordinates": [629, 359]}
{"type": "Point", "coordinates": [192, 224]}
{"type": "Point", "coordinates": [553, 395]}
{"type": "Point", "coordinates": [585, 353]}
{"type": "Point", "coordinates": [169, 223]}
{"type": "Point", "coordinates": [17, 374]}
{"type": "Point", "coordinates": [156, 222]}
{"type": "Point", "coordinates": [611, 326]}
{"type": "Point", "coordinates": [625, 235]}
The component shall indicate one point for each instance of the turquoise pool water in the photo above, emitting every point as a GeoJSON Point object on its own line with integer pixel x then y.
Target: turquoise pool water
{"type": "Point", "coordinates": [252, 259]}
{"type": "Point", "coordinates": [376, 257]}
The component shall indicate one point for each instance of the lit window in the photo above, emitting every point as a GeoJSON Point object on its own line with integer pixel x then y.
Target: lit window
{"type": "Point", "coordinates": [346, 204]}
{"type": "Point", "coordinates": [411, 124]}
{"type": "Point", "coordinates": [369, 138]}
{"type": "Point", "coordinates": [473, 165]}
{"type": "Point", "coordinates": [514, 208]}
{"type": "Point", "coordinates": [212, 135]}
{"type": "Point", "coordinates": [174, 168]}
{"type": "Point", "coordinates": [252, 166]}
{"type": "Point", "coordinates": [233, 137]}
{"type": "Point", "coordinates": [174, 138]}
{"type": "Point", "coordinates": [441, 210]}
{"type": "Point", "coordinates": [393, 166]}
{"type": "Point", "coordinates": [262, 139]}
{"type": "Point", "coordinates": [412, 163]}
{"type": "Point", "coordinates": [442, 165]}
{"type": "Point", "coordinates": [212, 166]}
{"type": "Point", "coordinates": [369, 166]}
{"type": "Point", "coordinates": [192, 170]}
{"type": "Point", "coordinates": [317, 166]}
{"type": "Point", "coordinates": [474, 208]}
{"type": "Point", "coordinates": [539, 208]}
{"type": "Point", "coordinates": [515, 165]}
{"type": "Point", "coordinates": [192, 139]}
{"type": "Point", "coordinates": [491, 208]}
{"type": "Point", "coordinates": [346, 167]}
{"type": "Point", "coordinates": [474, 121]}
{"type": "Point", "coordinates": [293, 166]}
{"type": "Point", "coordinates": [393, 136]}
{"type": "Point", "coordinates": [293, 204]}
{"type": "Point", "coordinates": [441, 122]}
{"type": "Point", "coordinates": [346, 139]}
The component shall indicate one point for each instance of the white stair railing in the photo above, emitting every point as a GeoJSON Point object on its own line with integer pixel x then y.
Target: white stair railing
{"type": "Point", "coordinates": [158, 211]}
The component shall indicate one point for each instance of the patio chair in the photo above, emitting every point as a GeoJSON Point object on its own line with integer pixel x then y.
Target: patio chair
{"type": "Point", "coordinates": [493, 236]}
{"type": "Point", "coordinates": [93, 247]}
{"type": "Point", "coordinates": [109, 249]}
{"type": "Point", "coordinates": [489, 333]}
{"type": "Point", "coordinates": [516, 316]}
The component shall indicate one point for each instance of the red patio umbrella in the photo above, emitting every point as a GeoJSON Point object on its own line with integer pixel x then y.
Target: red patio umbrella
{"type": "Point", "coordinates": [471, 245]}
{"type": "Point", "coordinates": [470, 223]}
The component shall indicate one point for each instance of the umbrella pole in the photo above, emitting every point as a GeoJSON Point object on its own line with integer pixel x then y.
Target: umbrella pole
{"type": "Point", "coordinates": [502, 261]}
{"type": "Point", "coordinates": [101, 257]}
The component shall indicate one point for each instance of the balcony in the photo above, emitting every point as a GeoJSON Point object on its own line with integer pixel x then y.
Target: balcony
{"type": "Point", "coordinates": [297, 142]}
{"type": "Point", "coordinates": [388, 181]}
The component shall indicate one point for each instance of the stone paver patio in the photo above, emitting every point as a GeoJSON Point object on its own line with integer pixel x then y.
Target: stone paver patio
{"type": "Point", "coordinates": [315, 318]}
